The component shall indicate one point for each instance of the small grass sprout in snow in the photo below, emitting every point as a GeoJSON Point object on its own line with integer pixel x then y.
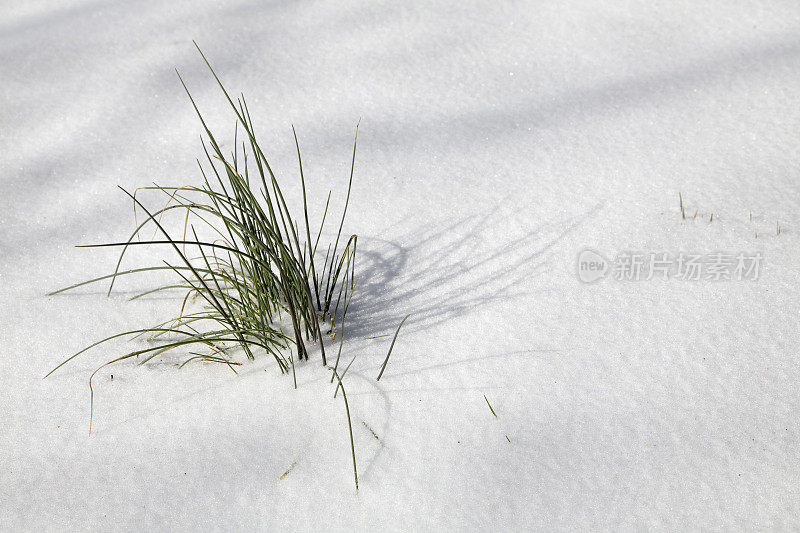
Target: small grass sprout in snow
{"type": "Point", "coordinates": [490, 406]}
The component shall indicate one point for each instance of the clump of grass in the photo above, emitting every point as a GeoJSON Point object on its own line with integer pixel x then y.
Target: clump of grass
{"type": "Point", "coordinates": [250, 263]}
{"type": "Point", "coordinates": [697, 211]}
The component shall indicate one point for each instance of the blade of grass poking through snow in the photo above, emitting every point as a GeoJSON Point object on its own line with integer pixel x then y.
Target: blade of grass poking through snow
{"type": "Point", "coordinates": [349, 426]}
{"type": "Point", "coordinates": [341, 337]}
{"type": "Point", "coordinates": [331, 286]}
{"type": "Point", "coordinates": [490, 406]}
{"type": "Point", "coordinates": [305, 213]}
{"type": "Point", "coordinates": [343, 375]}
{"type": "Point", "coordinates": [322, 224]}
{"type": "Point", "coordinates": [117, 274]}
{"type": "Point", "coordinates": [383, 367]}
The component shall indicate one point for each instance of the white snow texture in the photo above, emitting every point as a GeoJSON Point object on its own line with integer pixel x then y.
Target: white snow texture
{"type": "Point", "coordinates": [497, 141]}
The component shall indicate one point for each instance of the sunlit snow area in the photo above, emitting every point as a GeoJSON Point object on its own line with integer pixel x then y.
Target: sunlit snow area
{"type": "Point", "coordinates": [590, 209]}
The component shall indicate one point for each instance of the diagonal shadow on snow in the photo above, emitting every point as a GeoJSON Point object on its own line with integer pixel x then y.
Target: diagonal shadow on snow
{"type": "Point", "coordinates": [449, 268]}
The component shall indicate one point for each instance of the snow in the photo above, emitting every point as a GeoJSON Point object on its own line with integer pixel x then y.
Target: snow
{"type": "Point", "coordinates": [497, 142]}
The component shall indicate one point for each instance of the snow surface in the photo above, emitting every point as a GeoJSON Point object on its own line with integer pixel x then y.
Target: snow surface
{"type": "Point", "coordinates": [497, 141]}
